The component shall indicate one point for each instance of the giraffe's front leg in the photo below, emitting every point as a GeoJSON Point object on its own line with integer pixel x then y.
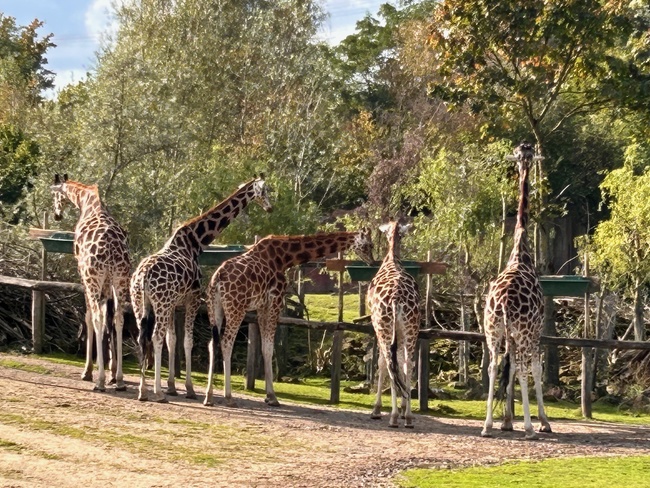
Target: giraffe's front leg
{"type": "Point", "coordinates": [268, 321]}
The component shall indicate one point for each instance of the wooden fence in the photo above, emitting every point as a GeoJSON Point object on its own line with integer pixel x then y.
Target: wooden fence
{"type": "Point", "coordinates": [427, 334]}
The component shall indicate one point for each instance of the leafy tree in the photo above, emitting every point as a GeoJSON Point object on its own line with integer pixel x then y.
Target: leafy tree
{"type": "Point", "coordinates": [539, 62]}
{"type": "Point", "coordinates": [18, 164]}
{"type": "Point", "coordinates": [23, 75]}
{"type": "Point", "coordinates": [621, 243]}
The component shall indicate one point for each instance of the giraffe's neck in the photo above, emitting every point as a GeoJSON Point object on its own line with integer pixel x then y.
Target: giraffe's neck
{"type": "Point", "coordinates": [84, 197]}
{"type": "Point", "coordinates": [520, 250]}
{"type": "Point", "coordinates": [394, 246]}
{"type": "Point", "coordinates": [196, 234]}
{"type": "Point", "coordinates": [287, 251]}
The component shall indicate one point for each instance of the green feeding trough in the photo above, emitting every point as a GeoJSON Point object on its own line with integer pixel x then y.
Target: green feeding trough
{"type": "Point", "coordinates": [359, 271]}
{"type": "Point", "coordinates": [61, 242]}
{"type": "Point", "coordinates": [566, 285]}
{"type": "Point", "coordinates": [215, 255]}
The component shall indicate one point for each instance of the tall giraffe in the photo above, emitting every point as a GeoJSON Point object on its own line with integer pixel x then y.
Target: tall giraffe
{"type": "Point", "coordinates": [100, 246]}
{"type": "Point", "coordinates": [514, 312]}
{"type": "Point", "coordinates": [171, 277]}
{"type": "Point", "coordinates": [255, 280]}
{"type": "Point", "coordinates": [394, 304]}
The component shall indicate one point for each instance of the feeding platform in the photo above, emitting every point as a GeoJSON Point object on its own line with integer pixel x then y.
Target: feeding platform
{"type": "Point", "coordinates": [567, 285]}
{"type": "Point", "coordinates": [360, 271]}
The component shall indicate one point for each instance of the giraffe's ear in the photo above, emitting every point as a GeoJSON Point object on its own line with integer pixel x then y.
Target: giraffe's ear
{"type": "Point", "coordinates": [262, 175]}
{"type": "Point", "coordinates": [57, 179]}
{"type": "Point", "coordinates": [65, 176]}
{"type": "Point", "coordinates": [404, 228]}
{"type": "Point", "coordinates": [384, 227]}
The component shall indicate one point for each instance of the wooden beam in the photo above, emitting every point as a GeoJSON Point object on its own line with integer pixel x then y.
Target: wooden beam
{"type": "Point", "coordinates": [48, 286]}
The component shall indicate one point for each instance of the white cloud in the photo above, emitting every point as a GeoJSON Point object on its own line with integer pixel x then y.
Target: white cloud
{"type": "Point", "coordinates": [99, 19]}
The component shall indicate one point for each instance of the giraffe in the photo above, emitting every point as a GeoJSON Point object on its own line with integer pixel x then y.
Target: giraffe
{"type": "Point", "coordinates": [394, 304]}
{"type": "Point", "coordinates": [514, 312]}
{"type": "Point", "coordinates": [255, 280]}
{"type": "Point", "coordinates": [100, 246]}
{"type": "Point", "coordinates": [171, 277]}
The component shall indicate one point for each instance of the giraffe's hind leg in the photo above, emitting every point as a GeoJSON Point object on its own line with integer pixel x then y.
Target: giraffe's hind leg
{"type": "Point", "coordinates": [544, 425]}
{"type": "Point", "coordinates": [191, 308]}
{"type": "Point", "coordinates": [381, 367]}
{"type": "Point", "coordinates": [87, 374]}
{"type": "Point", "coordinates": [508, 413]}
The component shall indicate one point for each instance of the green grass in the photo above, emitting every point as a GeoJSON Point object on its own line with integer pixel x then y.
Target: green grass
{"type": "Point", "coordinates": [17, 364]}
{"type": "Point", "coordinates": [316, 391]}
{"type": "Point", "coordinates": [325, 307]}
{"type": "Point", "coordinates": [612, 472]}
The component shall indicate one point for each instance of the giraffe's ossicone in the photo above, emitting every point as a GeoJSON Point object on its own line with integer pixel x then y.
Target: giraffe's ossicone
{"type": "Point", "coordinates": [394, 304]}
{"type": "Point", "coordinates": [100, 246]}
{"type": "Point", "coordinates": [171, 278]}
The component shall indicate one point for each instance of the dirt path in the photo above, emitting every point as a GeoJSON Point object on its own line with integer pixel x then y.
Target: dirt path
{"type": "Point", "coordinates": [54, 431]}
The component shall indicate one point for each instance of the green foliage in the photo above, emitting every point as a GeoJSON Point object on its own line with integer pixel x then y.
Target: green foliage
{"type": "Point", "coordinates": [18, 165]}
{"type": "Point", "coordinates": [548, 473]}
{"type": "Point", "coordinates": [621, 243]}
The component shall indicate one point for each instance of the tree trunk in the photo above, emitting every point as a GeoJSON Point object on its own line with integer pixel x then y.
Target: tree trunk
{"type": "Point", "coordinates": [639, 326]}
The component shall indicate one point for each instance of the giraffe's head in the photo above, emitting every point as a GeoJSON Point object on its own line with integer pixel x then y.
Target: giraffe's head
{"type": "Point", "coordinates": [58, 190]}
{"type": "Point", "coordinates": [363, 245]}
{"type": "Point", "coordinates": [394, 231]}
{"type": "Point", "coordinates": [524, 154]}
{"type": "Point", "coordinates": [262, 193]}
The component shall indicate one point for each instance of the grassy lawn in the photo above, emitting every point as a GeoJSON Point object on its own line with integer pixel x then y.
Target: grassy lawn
{"type": "Point", "coordinates": [628, 472]}
{"type": "Point", "coordinates": [325, 307]}
{"type": "Point", "coordinates": [316, 391]}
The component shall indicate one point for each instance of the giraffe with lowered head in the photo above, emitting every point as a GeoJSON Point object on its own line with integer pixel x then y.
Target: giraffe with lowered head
{"type": "Point", "coordinates": [256, 280]}
{"type": "Point", "coordinates": [171, 277]}
{"type": "Point", "coordinates": [394, 304]}
{"type": "Point", "coordinates": [100, 246]}
{"type": "Point", "coordinates": [514, 315]}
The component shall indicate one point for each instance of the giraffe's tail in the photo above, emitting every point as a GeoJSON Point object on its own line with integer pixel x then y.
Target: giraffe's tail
{"type": "Point", "coordinates": [500, 394]}
{"type": "Point", "coordinates": [146, 333]}
{"type": "Point", "coordinates": [393, 365]}
{"type": "Point", "coordinates": [110, 324]}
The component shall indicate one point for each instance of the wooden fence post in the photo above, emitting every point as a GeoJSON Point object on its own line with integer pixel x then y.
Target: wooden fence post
{"type": "Point", "coordinates": [337, 347]}
{"type": "Point", "coordinates": [587, 356]}
{"type": "Point", "coordinates": [38, 302]}
{"type": "Point", "coordinates": [424, 347]}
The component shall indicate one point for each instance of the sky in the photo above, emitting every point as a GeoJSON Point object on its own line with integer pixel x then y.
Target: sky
{"type": "Point", "coordinates": [77, 26]}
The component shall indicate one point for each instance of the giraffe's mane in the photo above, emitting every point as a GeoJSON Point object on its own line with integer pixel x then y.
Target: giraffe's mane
{"type": "Point", "coordinates": [306, 236]}
{"type": "Point", "coordinates": [223, 203]}
{"type": "Point", "coordinates": [82, 186]}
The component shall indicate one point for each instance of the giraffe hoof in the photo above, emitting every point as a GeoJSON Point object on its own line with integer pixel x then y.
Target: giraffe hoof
{"type": "Point", "coordinates": [375, 416]}
{"type": "Point", "coordinates": [190, 396]}
{"type": "Point", "coordinates": [172, 393]}
{"type": "Point", "coordinates": [546, 429]}
{"type": "Point", "coordinates": [230, 403]}
{"type": "Point", "coordinates": [143, 399]}
{"type": "Point", "coordinates": [272, 402]}
{"type": "Point", "coordinates": [86, 376]}
{"type": "Point", "coordinates": [112, 381]}
{"type": "Point", "coordinates": [409, 426]}
{"type": "Point", "coordinates": [393, 426]}
{"type": "Point", "coordinates": [507, 428]}
{"type": "Point", "coordinates": [99, 388]}
{"type": "Point", "coordinates": [120, 387]}
{"type": "Point", "coordinates": [208, 403]}
{"type": "Point", "coordinates": [161, 400]}
{"type": "Point", "coordinates": [486, 434]}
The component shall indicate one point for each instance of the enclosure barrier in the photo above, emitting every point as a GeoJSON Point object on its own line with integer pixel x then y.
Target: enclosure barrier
{"type": "Point", "coordinates": [426, 334]}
